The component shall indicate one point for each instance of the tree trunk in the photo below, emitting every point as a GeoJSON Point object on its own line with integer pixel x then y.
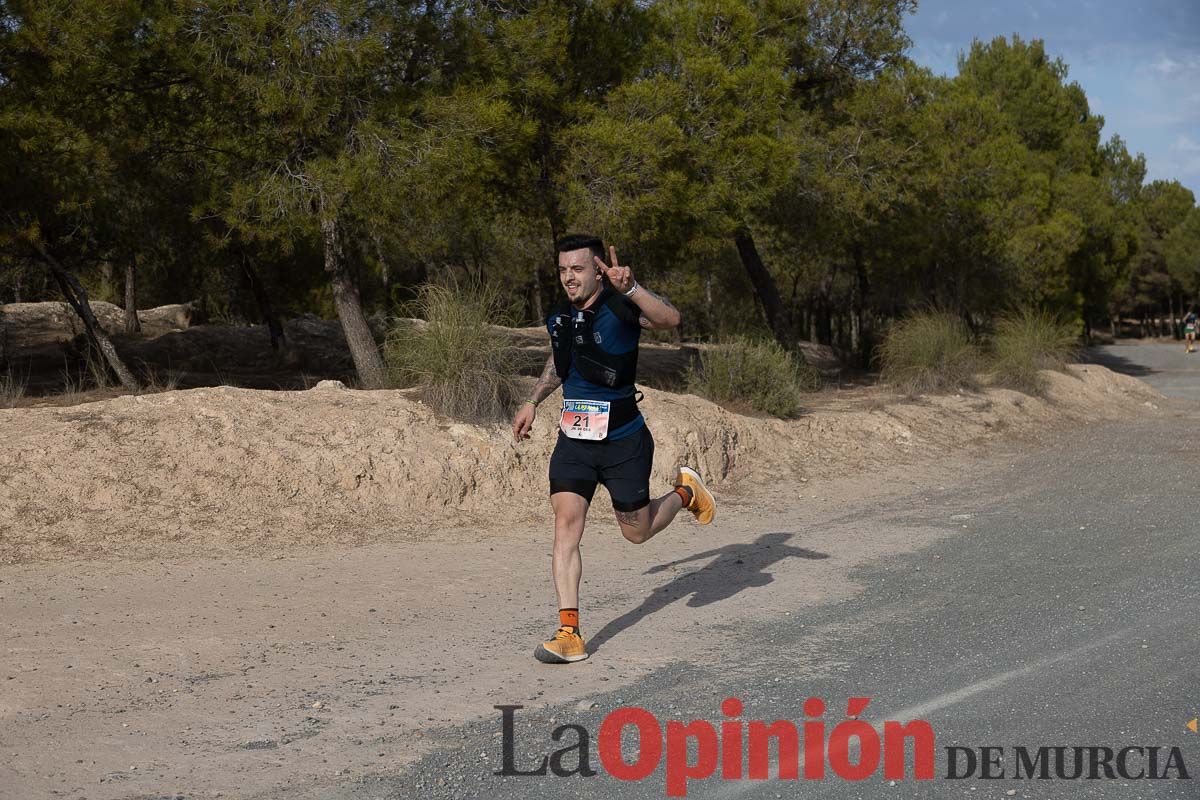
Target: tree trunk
{"type": "Point", "coordinates": [232, 274]}
{"type": "Point", "coordinates": [76, 295]}
{"type": "Point", "coordinates": [535, 300]}
{"type": "Point", "coordinates": [107, 291]}
{"type": "Point", "coordinates": [132, 323]}
{"type": "Point", "coordinates": [777, 315]}
{"type": "Point", "coordinates": [264, 304]}
{"type": "Point", "coordinates": [862, 319]}
{"type": "Point", "coordinates": [825, 311]}
{"type": "Point", "coordinates": [710, 310]}
{"type": "Point", "coordinates": [368, 363]}
{"type": "Point", "coordinates": [17, 285]}
{"type": "Point", "coordinates": [384, 272]}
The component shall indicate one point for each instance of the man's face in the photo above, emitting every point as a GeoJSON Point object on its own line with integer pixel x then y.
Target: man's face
{"type": "Point", "coordinates": [578, 274]}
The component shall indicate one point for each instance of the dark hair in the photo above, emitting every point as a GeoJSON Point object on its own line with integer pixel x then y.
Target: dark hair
{"type": "Point", "coordinates": [578, 241]}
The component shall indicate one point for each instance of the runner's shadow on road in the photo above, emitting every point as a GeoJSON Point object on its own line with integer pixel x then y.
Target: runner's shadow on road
{"type": "Point", "coordinates": [734, 567]}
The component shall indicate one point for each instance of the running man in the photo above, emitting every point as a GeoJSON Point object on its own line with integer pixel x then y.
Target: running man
{"type": "Point", "coordinates": [1189, 329]}
{"type": "Point", "coordinates": [602, 436]}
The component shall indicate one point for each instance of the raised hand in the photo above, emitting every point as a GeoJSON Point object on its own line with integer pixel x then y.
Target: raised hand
{"type": "Point", "coordinates": [620, 277]}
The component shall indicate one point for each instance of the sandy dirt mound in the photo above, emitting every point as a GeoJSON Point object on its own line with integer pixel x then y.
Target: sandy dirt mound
{"type": "Point", "coordinates": [238, 470]}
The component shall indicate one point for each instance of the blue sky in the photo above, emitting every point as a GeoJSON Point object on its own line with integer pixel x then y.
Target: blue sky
{"type": "Point", "coordinates": [1139, 63]}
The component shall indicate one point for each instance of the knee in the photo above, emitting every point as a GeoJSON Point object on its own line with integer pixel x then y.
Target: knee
{"type": "Point", "coordinates": [636, 534]}
{"type": "Point", "coordinates": [568, 527]}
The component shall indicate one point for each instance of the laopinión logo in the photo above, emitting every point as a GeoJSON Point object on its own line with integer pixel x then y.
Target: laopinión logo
{"type": "Point", "coordinates": [852, 750]}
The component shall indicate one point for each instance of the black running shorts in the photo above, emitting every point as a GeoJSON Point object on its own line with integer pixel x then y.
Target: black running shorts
{"type": "Point", "coordinates": [622, 466]}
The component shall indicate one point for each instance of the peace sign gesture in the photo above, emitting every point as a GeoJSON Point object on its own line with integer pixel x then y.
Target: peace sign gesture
{"type": "Point", "coordinates": [620, 277]}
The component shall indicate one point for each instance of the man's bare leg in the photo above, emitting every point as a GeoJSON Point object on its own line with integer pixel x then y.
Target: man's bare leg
{"type": "Point", "coordinates": [638, 526]}
{"type": "Point", "coordinates": [566, 564]}
{"type": "Point", "coordinates": [570, 512]}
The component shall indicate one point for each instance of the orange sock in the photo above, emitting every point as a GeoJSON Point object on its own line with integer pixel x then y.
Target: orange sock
{"type": "Point", "coordinates": [569, 618]}
{"type": "Point", "coordinates": [685, 494]}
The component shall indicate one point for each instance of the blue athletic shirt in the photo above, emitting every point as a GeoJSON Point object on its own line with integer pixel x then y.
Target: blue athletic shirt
{"type": "Point", "coordinates": [619, 333]}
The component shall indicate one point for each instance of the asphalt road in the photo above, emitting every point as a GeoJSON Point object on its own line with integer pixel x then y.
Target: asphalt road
{"type": "Point", "coordinates": [1064, 611]}
{"type": "Point", "coordinates": [1167, 367]}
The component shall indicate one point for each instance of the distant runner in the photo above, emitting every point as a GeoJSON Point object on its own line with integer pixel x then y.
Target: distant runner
{"type": "Point", "coordinates": [1189, 329]}
{"type": "Point", "coordinates": [602, 436]}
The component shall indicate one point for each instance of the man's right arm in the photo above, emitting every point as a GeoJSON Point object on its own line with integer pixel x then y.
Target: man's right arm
{"type": "Point", "coordinates": [547, 383]}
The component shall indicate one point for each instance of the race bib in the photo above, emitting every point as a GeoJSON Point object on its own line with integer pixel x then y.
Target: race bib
{"type": "Point", "coordinates": [584, 419]}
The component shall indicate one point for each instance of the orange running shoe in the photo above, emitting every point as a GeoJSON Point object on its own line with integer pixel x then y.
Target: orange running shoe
{"type": "Point", "coordinates": [703, 505]}
{"type": "Point", "coordinates": [565, 647]}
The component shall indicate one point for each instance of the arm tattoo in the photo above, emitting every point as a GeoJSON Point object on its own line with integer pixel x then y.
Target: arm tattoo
{"type": "Point", "coordinates": [547, 383]}
{"type": "Point", "coordinates": [645, 323]}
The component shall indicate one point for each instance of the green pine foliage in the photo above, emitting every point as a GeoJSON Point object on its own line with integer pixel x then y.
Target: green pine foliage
{"type": "Point", "coordinates": [1181, 254]}
{"type": "Point", "coordinates": [778, 169]}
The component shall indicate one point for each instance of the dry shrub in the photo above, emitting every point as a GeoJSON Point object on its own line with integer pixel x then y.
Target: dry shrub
{"type": "Point", "coordinates": [761, 375]}
{"type": "Point", "coordinates": [155, 382]}
{"type": "Point", "coordinates": [1027, 342]}
{"type": "Point", "coordinates": [929, 352]}
{"type": "Point", "coordinates": [461, 367]}
{"type": "Point", "coordinates": [12, 389]}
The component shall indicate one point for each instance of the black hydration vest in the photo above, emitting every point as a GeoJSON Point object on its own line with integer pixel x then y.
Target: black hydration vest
{"type": "Point", "coordinates": [572, 338]}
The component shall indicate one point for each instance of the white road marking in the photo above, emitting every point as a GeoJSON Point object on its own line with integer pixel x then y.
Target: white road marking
{"type": "Point", "coordinates": [958, 695]}
{"type": "Point", "coordinates": [923, 710]}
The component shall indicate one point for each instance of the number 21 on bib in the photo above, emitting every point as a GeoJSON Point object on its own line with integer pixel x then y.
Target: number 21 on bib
{"type": "Point", "coordinates": [584, 419]}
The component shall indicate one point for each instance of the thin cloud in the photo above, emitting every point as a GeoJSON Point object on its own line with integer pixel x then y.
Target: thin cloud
{"type": "Point", "coordinates": [1186, 144]}
{"type": "Point", "coordinates": [1189, 167]}
{"type": "Point", "coordinates": [1187, 66]}
{"type": "Point", "coordinates": [1165, 65]}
